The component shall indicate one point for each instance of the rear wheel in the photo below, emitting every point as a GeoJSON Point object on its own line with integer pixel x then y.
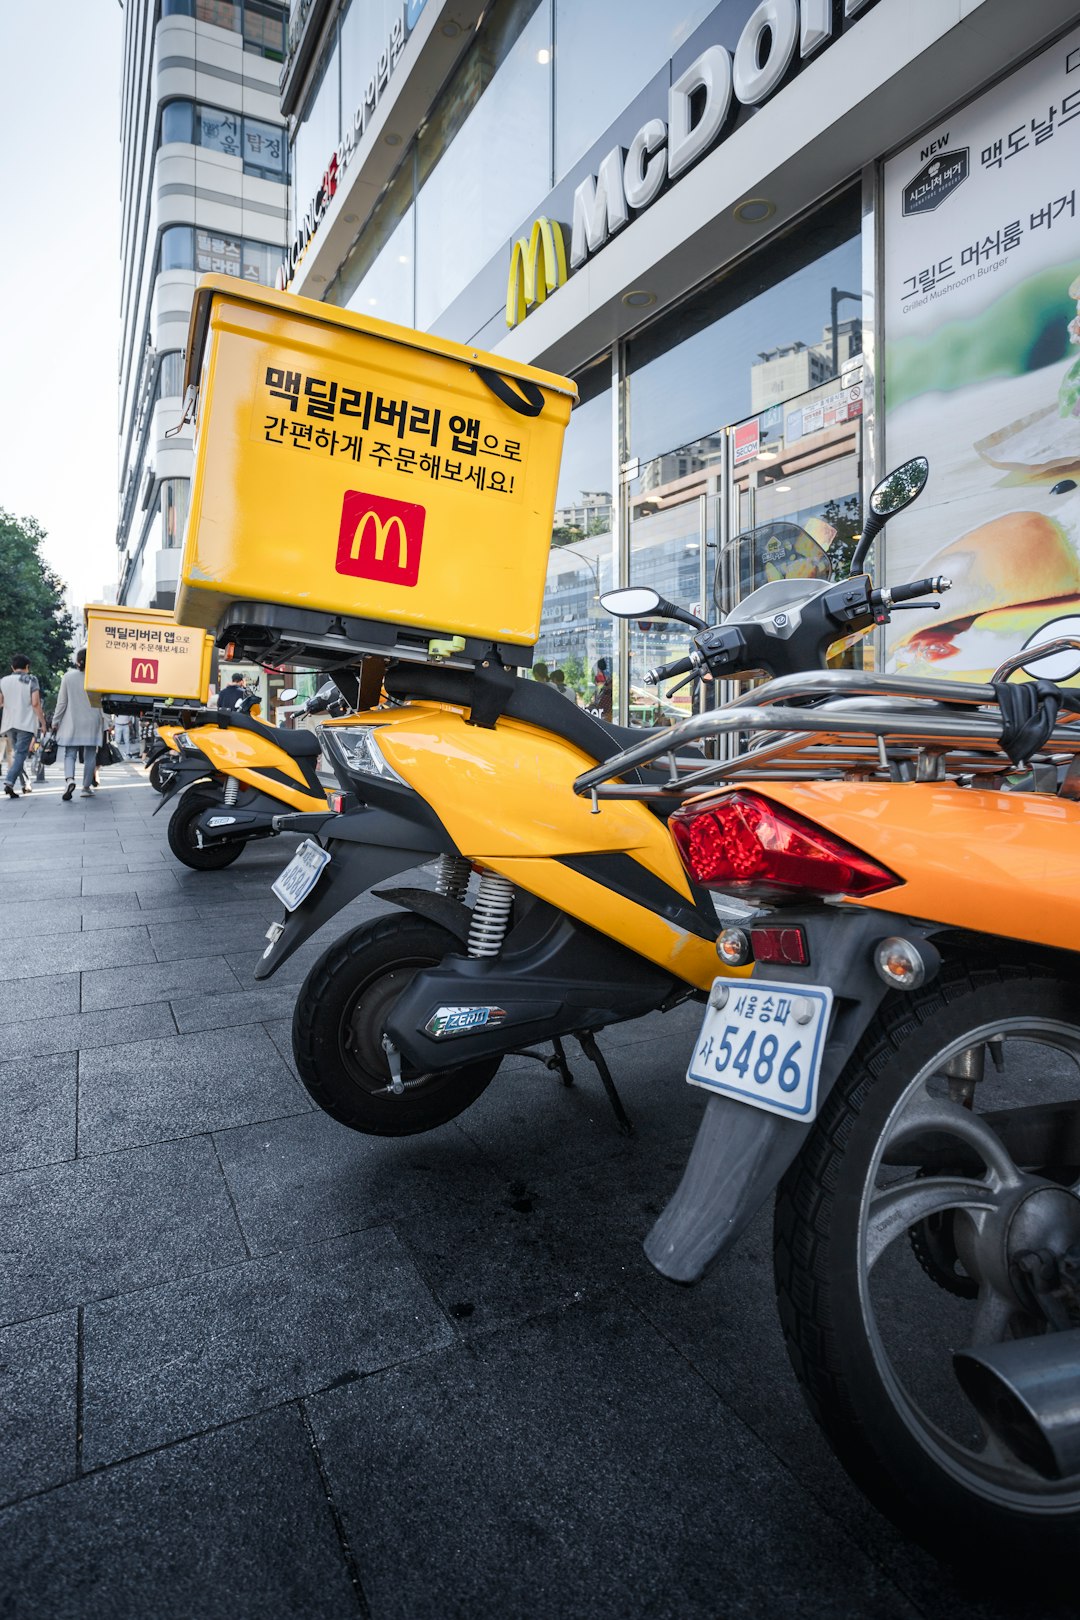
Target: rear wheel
{"type": "Point", "coordinates": [338, 1024]}
{"type": "Point", "coordinates": [947, 1156]}
{"type": "Point", "coordinates": [161, 773]}
{"type": "Point", "coordinates": [182, 840]}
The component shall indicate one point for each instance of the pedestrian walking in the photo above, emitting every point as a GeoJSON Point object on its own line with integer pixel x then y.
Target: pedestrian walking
{"type": "Point", "coordinates": [122, 734]}
{"type": "Point", "coordinates": [21, 716]}
{"type": "Point", "coordinates": [557, 679]}
{"type": "Point", "coordinates": [78, 725]}
{"type": "Point", "coordinates": [600, 702]}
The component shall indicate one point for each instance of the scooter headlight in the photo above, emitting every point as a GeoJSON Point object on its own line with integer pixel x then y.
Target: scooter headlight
{"type": "Point", "coordinates": [357, 749]}
{"type": "Point", "coordinates": [182, 742]}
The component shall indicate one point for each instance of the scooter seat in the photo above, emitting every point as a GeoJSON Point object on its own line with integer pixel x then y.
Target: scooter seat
{"type": "Point", "coordinates": [297, 744]}
{"type": "Point", "coordinates": [531, 701]}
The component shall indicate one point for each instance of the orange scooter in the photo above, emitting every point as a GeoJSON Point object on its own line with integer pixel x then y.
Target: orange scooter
{"type": "Point", "coordinates": [902, 1067]}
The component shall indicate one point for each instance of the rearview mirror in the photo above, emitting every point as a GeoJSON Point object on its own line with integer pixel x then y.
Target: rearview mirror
{"type": "Point", "coordinates": [635, 602]}
{"type": "Point", "coordinates": [288, 695]}
{"type": "Point", "coordinates": [900, 488]}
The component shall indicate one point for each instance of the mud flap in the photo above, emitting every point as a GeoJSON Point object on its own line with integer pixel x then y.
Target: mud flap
{"type": "Point", "coordinates": [185, 775]}
{"type": "Point", "coordinates": [741, 1152]}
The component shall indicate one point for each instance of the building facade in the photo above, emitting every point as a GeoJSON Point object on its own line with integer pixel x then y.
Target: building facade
{"type": "Point", "coordinates": [778, 245]}
{"type": "Point", "coordinates": [204, 187]}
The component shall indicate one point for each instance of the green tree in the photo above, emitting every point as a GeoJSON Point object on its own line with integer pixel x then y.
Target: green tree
{"type": "Point", "coordinates": [33, 618]}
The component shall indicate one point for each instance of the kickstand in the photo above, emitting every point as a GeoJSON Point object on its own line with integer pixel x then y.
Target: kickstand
{"type": "Point", "coordinates": [588, 1045]}
{"type": "Point", "coordinates": [555, 1062]}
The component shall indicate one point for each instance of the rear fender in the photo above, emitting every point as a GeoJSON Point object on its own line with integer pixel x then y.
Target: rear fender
{"type": "Point", "coordinates": [366, 846]}
{"type": "Point", "coordinates": [190, 769]}
{"type": "Point", "coordinates": [741, 1152]}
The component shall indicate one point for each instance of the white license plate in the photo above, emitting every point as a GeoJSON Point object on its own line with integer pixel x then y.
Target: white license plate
{"type": "Point", "coordinates": [301, 875]}
{"type": "Point", "coordinates": [762, 1042]}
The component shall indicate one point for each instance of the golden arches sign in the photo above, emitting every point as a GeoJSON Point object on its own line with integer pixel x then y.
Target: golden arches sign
{"type": "Point", "coordinates": [537, 267]}
{"type": "Point", "coordinates": [384, 528]}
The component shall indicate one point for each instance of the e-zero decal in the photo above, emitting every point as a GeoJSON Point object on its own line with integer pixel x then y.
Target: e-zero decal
{"type": "Point", "coordinates": [380, 539]}
{"type": "Point", "coordinates": [144, 671]}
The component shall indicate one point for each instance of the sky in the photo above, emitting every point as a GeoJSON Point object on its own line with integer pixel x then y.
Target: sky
{"type": "Point", "coordinates": [60, 66]}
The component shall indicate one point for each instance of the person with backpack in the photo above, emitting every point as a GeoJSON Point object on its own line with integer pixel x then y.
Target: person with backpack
{"type": "Point", "coordinates": [23, 717]}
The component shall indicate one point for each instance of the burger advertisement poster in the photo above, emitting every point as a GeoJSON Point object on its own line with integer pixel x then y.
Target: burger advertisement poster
{"type": "Point", "coordinates": [982, 373]}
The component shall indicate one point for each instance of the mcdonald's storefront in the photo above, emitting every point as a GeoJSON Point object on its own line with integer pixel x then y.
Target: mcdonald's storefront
{"type": "Point", "coordinates": [778, 245]}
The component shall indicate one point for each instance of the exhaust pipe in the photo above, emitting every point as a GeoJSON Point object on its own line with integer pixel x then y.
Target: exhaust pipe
{"type": "Point", "coordinates": [1028, 1392]}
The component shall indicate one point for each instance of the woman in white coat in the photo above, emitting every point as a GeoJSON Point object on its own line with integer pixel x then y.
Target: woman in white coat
{"type": "Point", "coordinates": [78, 724]}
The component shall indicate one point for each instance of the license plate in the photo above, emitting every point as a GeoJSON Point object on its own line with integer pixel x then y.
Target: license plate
{"type": "Point", "coordinates": [762, 1042]}
{"type": "Point", "coordinates": [301, 875]}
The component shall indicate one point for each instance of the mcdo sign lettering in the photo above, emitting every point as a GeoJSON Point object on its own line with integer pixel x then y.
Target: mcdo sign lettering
{"type": "Point", "coordinates": [662, 151]}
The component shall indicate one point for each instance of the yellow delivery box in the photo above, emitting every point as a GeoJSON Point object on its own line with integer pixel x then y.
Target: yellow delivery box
{"type": "Point", "coordinates": [143, 652]}
{"type": "Point", "coordinates": [349, 467]}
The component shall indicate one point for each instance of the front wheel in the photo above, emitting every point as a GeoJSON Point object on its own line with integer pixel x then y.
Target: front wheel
{"type": "Point", "coordinates": [182, 840]}
{"type": "Point", "coordinates": [945, 1157]}
{"type": "Point", "coordinates": [161, 773]}
{"type": "Point", "coordinates": [338, 1025]}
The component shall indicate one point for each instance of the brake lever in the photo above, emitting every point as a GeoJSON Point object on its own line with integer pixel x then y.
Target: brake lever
{"type": "Point", "coordinates": [693, 676]}
{"type": "Point", "coordinates": [913, 607]}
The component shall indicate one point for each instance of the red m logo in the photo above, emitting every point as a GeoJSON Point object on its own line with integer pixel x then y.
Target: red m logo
{"type": "Point", "coordinates": [380, 538]}
{"type": "Point", "coordinates": [144, 671]}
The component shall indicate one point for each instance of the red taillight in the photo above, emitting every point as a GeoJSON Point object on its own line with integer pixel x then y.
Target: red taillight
{"type": "Point", "coordinates": [779, 945]}
{"type": "Point", "coordinates": [336, 802]}
{"type": "Point", "coordinates": [744, 843]}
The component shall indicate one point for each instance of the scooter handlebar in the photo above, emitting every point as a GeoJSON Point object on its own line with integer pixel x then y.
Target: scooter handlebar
{"type": "Point", "coordinates": [931, 586]}
{"type": "Point", "coordinates": [681, 666]}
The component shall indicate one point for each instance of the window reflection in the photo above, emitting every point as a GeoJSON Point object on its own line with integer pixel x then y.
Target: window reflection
{"type": "Point", "coordinates": [182, 247]}
{"type": "Point", "coordinates": [485, 152]}
{"type": "Point", "coordinates": [603, 58]}
{"type": "Point", "coordinates": [769, 325]}
{"type": "Point", "coordinates": [261, 145]}
{"type": "Point", "coordinates": [319, 130]}
{"type": "Point", "coordinates": [575, 631]}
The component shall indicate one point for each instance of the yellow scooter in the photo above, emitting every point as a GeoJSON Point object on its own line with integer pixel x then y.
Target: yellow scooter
{"type": "Point", "coordinates": [235, 774]}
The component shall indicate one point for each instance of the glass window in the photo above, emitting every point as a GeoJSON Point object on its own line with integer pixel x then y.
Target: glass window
{"type": "Point", "coordinates": [318, 132]}
{"type": "Point", "coordinates": [177, 122]}
{"type": "Point", "coordinates": [174, 506]}
{"type": "Point", "coordinates": [177, 250]}
{"type": "Point", "coordinates": [171, 375]}
{"type": "Point", "coordinates": [219, 131]}
{"type": "Point", "coordinates": [603, 60]}
{"type": "Point", "coordinates": [260, 262]}
{"type": "Point", "coordinates": [485, 152]}
{"type": "Point", "coordinates": [719, 357]}
{"type": "Point", "coordinates": [365, 34]}
{"type": "Point", "coordinates": [387, 288]}
{"type": "Point", "coordinates": [575, 632]}
{"type": "Point", "coordinates": [264, 29]}
{"type": "Point", "coordinates": [264, 149]}
{"type": "Point", "coordinates": [222, 13]}
{"type": "Point", "coordinates": [391, 220]}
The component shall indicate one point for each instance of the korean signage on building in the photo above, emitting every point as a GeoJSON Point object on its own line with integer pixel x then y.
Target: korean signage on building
{"type": "Point", "coordinates": [982, 371]}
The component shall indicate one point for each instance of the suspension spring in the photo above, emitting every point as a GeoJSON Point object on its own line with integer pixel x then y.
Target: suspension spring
{"type": "Point", "coordinates": [452, 874]}
{"type": "Point", "coordinates": [232, 789]}
{"type": "Point", "coordinates": [490, 915]}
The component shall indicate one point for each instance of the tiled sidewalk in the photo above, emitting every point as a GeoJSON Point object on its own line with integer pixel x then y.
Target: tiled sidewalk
{"type": "Point", "coordinates": [252, 1364]}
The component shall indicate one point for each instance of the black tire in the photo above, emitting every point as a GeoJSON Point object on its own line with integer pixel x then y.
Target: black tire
{"type": "Point", "coordinates": [840, 1339]}
{"type": "Point", "coordinates": [191, 804]}
{"type": "Point", "coordinates": [337, 1029]}
{"type": "Point", "coordinates": [161, 772]}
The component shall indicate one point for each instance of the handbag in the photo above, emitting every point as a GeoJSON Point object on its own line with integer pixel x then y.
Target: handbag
{"type": "Point", "coordinates": [109, 754]}
{"type": "Point", "coordinates": [48, 750]}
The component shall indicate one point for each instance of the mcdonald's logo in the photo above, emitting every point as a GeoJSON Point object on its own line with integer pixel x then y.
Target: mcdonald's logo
{"type": "Point", "coordinates": [144, 671]}
{"type": "Point", "coordinates": [537, 267]}
{"type": "Point", "coordinates": [380, 539]}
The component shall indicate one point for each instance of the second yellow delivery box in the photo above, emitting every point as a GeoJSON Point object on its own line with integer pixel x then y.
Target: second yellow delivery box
{"type": "Point", "coordinates": [353, 467]}
{"type": "Point", "coordinates": [143, 652]}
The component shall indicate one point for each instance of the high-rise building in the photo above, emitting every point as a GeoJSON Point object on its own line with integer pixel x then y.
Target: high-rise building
{"type": "Point", "coordinates": [204, 187]}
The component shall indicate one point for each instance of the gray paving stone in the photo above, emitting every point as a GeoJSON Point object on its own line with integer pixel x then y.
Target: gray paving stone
{"type": "Point", "coordinates": [37, 1109]}
{"type": "Point", "coordinates": [147, 885]}
{"type": "Point", "coordinates": [280, 1032]}
{"type": "Point", "coordinates": [154, 1090]}
{"type": "Point", "coordinates": [156, 981]}
{"type": "Point", "coordinates": [204, 938]}
{"type": "Point", "coordinates": [28, 919]}
{"type": "Point", "coordinates": [75, 952]}
{"type": "Point", "coordinates": [295, 1181]}
{"type": "Point", "coordinates": [42, 884]}
{"type": "Point", "coordinates": [683, 1528]}
{"type": "Point", "coordinates": [235, 1007]}
{"type": "Point", "coordinates": [101, 1226]}
{"type": "Point", "coordinates": [37, 1405]}
{"type": "Point", "coordinates": [234, 1525]}
{"type": "Point", "coordinates": [169, 1362]}
{"type": "Point", "coordinates": [23, 1000]}
{"type": "Point", "coordinates": [159, 915]}
{"type": "Point", "coordinates": [84, 1031]}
